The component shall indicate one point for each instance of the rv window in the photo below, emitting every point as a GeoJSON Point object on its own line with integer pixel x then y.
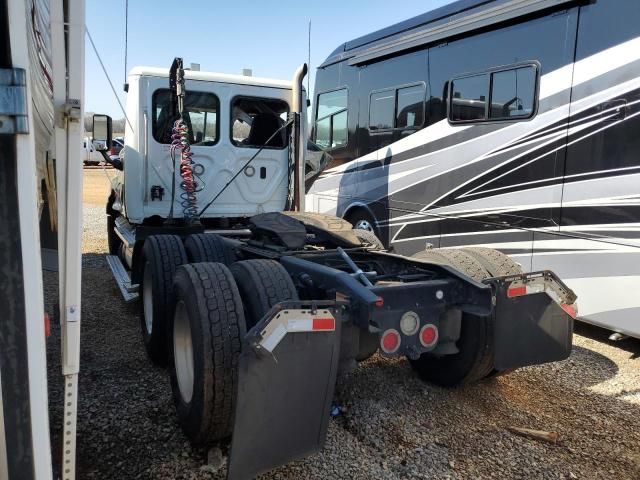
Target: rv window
{"type": "Point", "coordinates": [469, 98]}
{"type": "Point", "coordinates": [331, 119]}
{"type": "Point", "coordinates": [382, 110]}
{"type": "Point", "coordinates": [201, 115]}
{"type": "Point", "coordinates": [513, 93]}
{"type": "Point", "coordinates": [255, 120]}
{"type": "Point", "coordinates": [410, 109]}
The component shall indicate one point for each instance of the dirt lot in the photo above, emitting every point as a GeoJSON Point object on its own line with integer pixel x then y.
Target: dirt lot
{"type": "Point", "coordinates": [395, 426]}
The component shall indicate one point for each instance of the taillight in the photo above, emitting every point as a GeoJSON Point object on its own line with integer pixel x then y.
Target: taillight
{"type": "Point", "coordinates": [429, 335]}
{"type": "Point", "coordinates": [390, 341]}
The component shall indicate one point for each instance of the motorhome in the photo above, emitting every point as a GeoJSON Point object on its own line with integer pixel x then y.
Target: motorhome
{"type": "Point", "coordinates": [509, 124]}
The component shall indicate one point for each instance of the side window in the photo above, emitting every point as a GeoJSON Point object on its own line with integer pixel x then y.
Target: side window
{"type": "Point", "coordinates": [469, 98]}
{"type": "Point", "coordinates": [505, 94]}
{"type": "Point", "coordinates": [201, 115]}
{"type": "Point", "coordinates": [331, 120]}
{"type": "Point", "coordinates": [255, 120]}
{"type": "Point", "coordinates": [382, 110]}
{"type": "Point", "coordinates": [397, 108]}
{"type": "Point", "coordinates": [513, 93]}
{"type": "Point", "coordinates": [410, 110]}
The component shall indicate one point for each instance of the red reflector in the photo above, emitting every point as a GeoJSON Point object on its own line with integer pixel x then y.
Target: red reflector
{"type": "Point", "coordinates": [429, 335]}
{"type": "Point", "coordinates": [379, 302]}
{"type": "Point", "coordinates": [517, 291]}
{"type": "Point", "coordinates": [390, 341]}
{"type": "Point", "coordinates": [47, 325]}
{"type": "Point", "coordinates": [571, 311]}
{"type": "Point", "coordinates": [327, 324]}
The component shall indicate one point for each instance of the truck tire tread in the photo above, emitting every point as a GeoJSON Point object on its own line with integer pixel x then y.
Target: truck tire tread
{"type": "Point", "coordinates": [495, 262]}
{"type": "Point", "coordinates": [208, 247]}
{"type": "Point", "coordinates": [165, 253]}
{"type": "Point", "coordinates": [217, 324]}
{"type": "Point", "coordinates": [262, 284]}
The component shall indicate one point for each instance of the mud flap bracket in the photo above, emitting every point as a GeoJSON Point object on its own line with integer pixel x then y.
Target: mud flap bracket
{"type": "Point", "coordinates": [286, 380]}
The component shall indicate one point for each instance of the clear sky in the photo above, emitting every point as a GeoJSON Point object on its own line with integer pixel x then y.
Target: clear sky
{"type": "Point", "coordinates": [268, 36]}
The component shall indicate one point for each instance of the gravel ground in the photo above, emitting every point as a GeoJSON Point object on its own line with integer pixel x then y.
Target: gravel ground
{"type": "Point", "coordinates": [394, 427]}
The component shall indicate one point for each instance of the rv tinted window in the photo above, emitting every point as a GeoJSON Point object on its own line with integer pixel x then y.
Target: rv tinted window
{"type": "Point", "coordinates": [382, 110]}
{"type": "Point", "coordinates": [469, 98]}
{"type": "Point", "coordinates": [201, 115]}
{"type": "Point", "coordinates": [513, 93]}
{"type": "Point", "coordinates": [410, 110]}
{"type": "Point", "coordinates": [255, 120]}
{"type": "Point", "coordinates": [331, 120]}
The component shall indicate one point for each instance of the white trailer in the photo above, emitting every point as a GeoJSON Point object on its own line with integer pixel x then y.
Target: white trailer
{"type": "Point", "coordinates": [41, 107]}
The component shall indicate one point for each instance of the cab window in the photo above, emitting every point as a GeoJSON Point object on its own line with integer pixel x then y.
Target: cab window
{"type": "Point", "coordinates": [254, 121]}
{"type": "Point", "coordinates": [200, 115]}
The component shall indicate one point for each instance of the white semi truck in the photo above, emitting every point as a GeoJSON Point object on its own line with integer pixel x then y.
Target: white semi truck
{"type": "Point", "coordinates": [255, 305]}
{"type": "Point", "coordinates": [252, 303]}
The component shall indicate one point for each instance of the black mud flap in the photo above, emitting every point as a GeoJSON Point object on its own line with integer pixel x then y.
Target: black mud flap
{"type": "Point", "coordinates": [286, 380]}
{"type": "Point", "coordinates": [532, 328]}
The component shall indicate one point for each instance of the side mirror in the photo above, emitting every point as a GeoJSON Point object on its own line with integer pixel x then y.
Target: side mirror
{"type": "Point", "coordinates": [102, 132]}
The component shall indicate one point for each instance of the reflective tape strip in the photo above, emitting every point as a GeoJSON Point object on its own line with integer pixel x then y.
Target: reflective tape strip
{"type": "Point", "coordinates": [518, 289]}
{"type": "Point", "coordinates": [295, 321]}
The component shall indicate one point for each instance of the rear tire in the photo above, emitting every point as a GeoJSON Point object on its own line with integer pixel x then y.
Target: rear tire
{"type": "Point", "coordinates": [208, 327]}
{"type": "Point", "coordinates": [495, 262]}
{"type": "Point", "coordinates": [206, 247]}
{"type": "Point", "coordinates": [262, 284]}
{"type": "Point", "coordinates": [474, 360]}
{"type": "Point", "coordinates": [498, 265]}
{"type": "Point", "coordinates": [161, 256]}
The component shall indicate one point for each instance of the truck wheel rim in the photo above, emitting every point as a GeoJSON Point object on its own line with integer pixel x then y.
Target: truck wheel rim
{"type": "Point", "coordinates": [183, 351]}
{"type": "Point", "coordinates": [363, 224]}
{"type": "Point", "coordinates": [147, 298]}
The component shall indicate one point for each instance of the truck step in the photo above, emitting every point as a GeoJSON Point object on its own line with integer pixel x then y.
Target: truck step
{"type": "Point", "coordinates": [129, 292]}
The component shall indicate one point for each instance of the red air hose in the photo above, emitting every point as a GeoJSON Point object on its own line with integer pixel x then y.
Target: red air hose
{"type": "Point", "coordinates": [180, 141]}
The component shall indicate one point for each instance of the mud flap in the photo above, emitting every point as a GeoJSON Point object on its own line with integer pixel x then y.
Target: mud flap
{"type": "Point", "coordinates": [287, 375]}
{"type": "Point", "coordinates": [530, 328]}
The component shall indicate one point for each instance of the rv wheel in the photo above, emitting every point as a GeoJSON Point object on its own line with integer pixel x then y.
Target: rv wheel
{"type": "Point", "coordinates": [262, 284]}
{"type": "Point", "coordinates": [474, 359]}
{"type": "Point", "coordinates": [161, 255]}
{"type": "Point", "coordinates": [207, 247]}
{"type": "Point", "coordinates": [362, 220]}
{"type": "Point", "coordinates": [208, 325]}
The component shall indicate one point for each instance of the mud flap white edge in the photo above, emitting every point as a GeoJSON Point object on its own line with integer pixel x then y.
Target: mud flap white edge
{"type": "Point", "coordinates": [286, 379]}
{"type": "Point", "coordinates": [533, 320]}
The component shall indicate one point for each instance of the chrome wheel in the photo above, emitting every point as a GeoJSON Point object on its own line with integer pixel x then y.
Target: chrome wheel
{"type": "Point", "coordinates": [183, 351]}
{"type": "Point", "coordinates": [147, 297]}
{"type": "Point", "coordinates": [364, 224]}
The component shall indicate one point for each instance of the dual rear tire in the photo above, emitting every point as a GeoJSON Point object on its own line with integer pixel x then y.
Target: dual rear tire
{"type": "Point", "coordinates": [474, 360]}
{"type": "Point", "coordinates": [194, 316]}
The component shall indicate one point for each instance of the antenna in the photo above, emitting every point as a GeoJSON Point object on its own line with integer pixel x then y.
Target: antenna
{"type": "Point", "coordinates": [126, 37]}
{"type": "Point", "coordinates": [309, 59]}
